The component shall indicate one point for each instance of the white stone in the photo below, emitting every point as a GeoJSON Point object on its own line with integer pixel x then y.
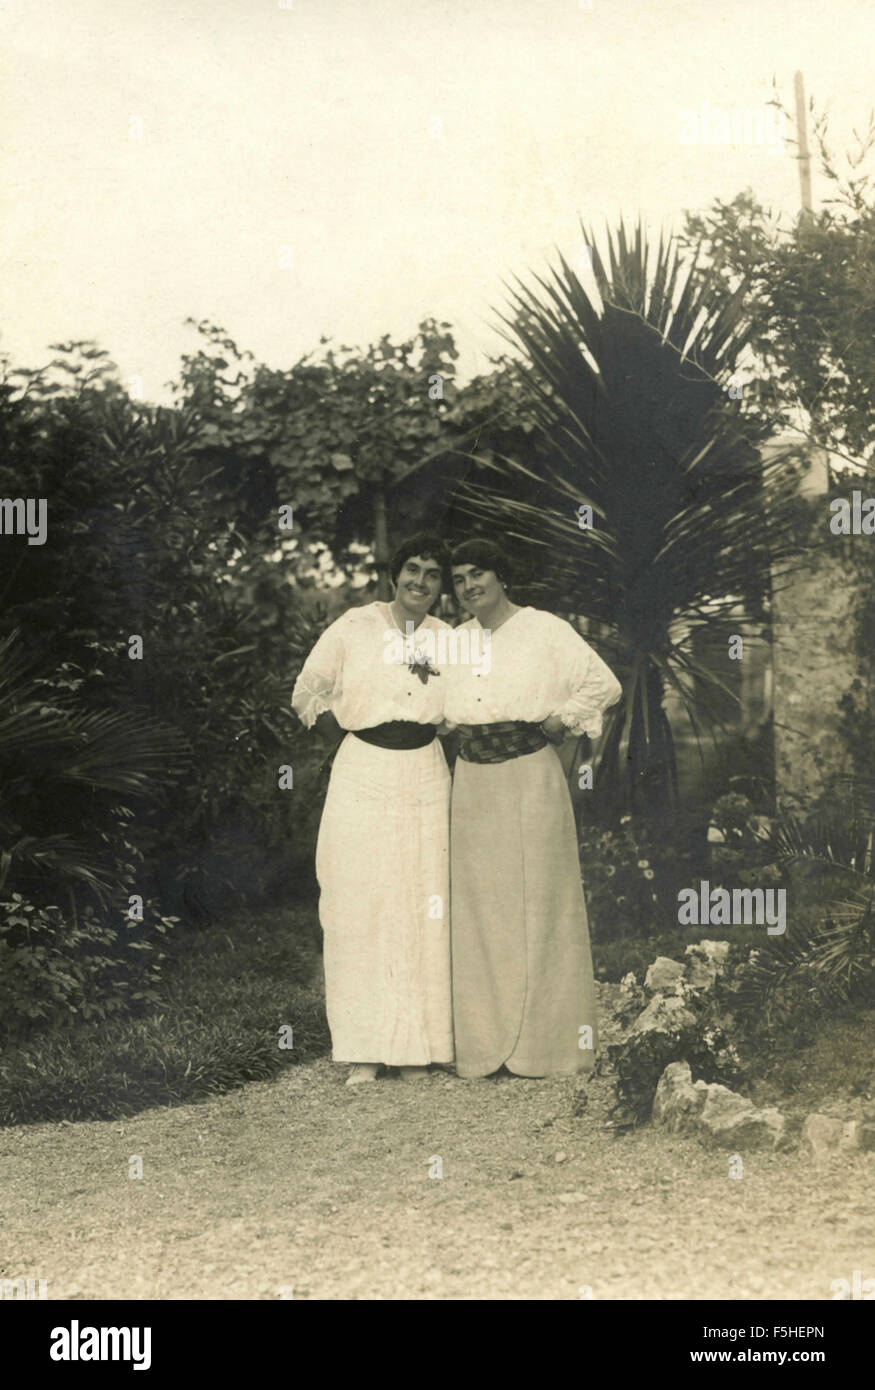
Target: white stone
{"type": "Point", "coordinates": [729, 1120]}
{"type": "Point", "coordinates": [716, 1115]}
{"type": "Point", "coordinates": [664, 1014]}
{"type": "Point", "coordinates": [663, 974]}
{"type": "Point", "coordinates": [823, 1135]}
{"type": "Point", "coordinates": [678, 1102]}
{"type": "Point", "coordinates": [705, 961]}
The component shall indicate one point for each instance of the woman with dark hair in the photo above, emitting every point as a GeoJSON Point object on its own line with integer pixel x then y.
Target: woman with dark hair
{"type": "Point", "coordinates": [382, 856]}
{"type": "Point", "coordinates": [523, 990]}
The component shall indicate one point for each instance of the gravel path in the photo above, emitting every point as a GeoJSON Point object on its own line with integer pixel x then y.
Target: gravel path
{"type": "Point", "coordinates": [301, 1187]}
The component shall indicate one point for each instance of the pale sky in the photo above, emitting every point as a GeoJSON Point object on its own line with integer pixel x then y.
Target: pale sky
{"type": "Point", "coordinates": [343, 168]}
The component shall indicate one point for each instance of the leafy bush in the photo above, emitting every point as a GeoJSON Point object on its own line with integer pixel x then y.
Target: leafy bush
{"type": "Point", "coordinates": [151, 534]}
{"type": "Point", "coordinates": [53, 968]}
{"type": "Point", "coordinates": [827, 956]}
{"type": "Point", "coordinates": [65, 837]}
{"type": "Point", "coordinates": [234, 836]}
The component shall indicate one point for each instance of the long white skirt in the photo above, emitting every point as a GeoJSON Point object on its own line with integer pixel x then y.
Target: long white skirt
{"type": "Point", "coordinates": [382, 861]}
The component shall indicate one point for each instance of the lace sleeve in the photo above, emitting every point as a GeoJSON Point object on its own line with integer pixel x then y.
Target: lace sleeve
{"type": "Point", "coordinates": [591, 685]}
{"type": "Point", "coordinates": [319, 682]}
{"type": "Point", "coordinates": [312, 696]}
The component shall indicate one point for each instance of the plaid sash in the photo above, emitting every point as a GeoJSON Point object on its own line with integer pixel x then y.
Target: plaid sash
{"type": "Point", "coordinates": [497, 743]}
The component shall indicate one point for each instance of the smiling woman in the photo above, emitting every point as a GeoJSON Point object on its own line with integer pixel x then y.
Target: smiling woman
{"type": "Point", "coordinates": [523, 991]}
{"type": "Point", "coordinates": [385, 823]}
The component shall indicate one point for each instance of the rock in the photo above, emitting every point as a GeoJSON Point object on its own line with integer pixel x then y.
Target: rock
{"type": "Point", "coordinates": [705, 961]}
{"type": "Point", "coordinates": [821, 1133]}
{"type": "Point", "coordinates": [664, 1014]}
{"type": "Point", "coordinates": [678, 1103]}
{"type": "Point", "coordinates": [664, 974]}
{"type": "Point", "coordinates": [729, 1120]}
{"type": "Point", "coordinates": [716, 1115]}
{"type": "Point", "coordinates": [824, 1135]}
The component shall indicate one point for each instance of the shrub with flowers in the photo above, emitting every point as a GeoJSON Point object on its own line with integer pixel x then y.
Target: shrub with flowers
{"type": "Point", "coordinates": [619, 881]}
{"type": "Point", "coordinates": [690, 1020]}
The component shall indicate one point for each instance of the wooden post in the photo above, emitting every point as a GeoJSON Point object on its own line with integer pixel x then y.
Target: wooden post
{"type": "Point", "coordinates": [804, 157]}
{"type": "Point", "coordinates": [818, 479]}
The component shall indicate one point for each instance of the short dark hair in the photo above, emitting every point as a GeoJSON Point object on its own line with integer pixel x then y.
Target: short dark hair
{"type": "Point", "coordinates": [428, 546]}
{"type": "Point", "coordinates": [487, 555]}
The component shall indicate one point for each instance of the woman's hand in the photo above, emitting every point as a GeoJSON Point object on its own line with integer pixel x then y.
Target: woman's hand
{"type": "Point", "coordinates": [328, 731]}
{"type": "Point", "coordinates": [555, 730]}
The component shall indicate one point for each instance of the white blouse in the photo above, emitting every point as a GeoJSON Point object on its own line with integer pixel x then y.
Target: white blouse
{"type": "Point", "coordinates": [539, 666]}
{"type": "Point", "coordinates": [358, 673]}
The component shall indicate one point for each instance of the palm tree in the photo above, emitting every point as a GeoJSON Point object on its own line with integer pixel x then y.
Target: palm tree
{"type": "Point", "coordinates": [628, 393]}
{"type": "Point", "coordinates": [62, 769]}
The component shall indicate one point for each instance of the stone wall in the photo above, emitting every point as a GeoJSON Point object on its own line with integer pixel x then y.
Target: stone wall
{"type": "Point", "coordinates": [815, 657]}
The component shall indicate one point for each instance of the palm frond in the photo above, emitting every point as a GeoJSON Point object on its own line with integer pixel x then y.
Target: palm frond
{"type": "Point", "coordinates": [61, 857]}
{"type": "Point", "coordinates": [627, 390]}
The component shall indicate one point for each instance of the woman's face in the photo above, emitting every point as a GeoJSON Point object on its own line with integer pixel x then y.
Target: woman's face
{"type": "Point", "coordinates": [418, 585]}
{"type": "Point", "coordinates": [477, 589]}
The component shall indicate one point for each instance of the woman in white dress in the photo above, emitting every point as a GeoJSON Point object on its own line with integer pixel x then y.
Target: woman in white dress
{"type": "Point", "coordinates": [523, 989]}
{"type": "Point", "coordinates": [382, 855]}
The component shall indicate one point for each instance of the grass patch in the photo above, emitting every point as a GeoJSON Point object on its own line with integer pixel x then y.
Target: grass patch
{"type": "Point", "coordinates": [228, 991]}
{"type": "Point", "coordinates": [833, 1065]}
{"type": "Point", "coordinates": [829, 1071]}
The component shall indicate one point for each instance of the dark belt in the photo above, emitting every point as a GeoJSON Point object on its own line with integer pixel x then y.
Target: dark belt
{"type": "Point", "coordinates": [498, 743]}
{"type": "Point", "coordinates": [398, 733]}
